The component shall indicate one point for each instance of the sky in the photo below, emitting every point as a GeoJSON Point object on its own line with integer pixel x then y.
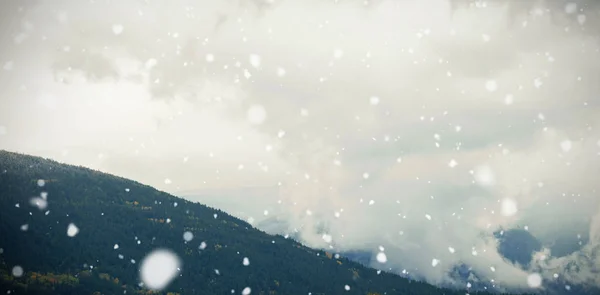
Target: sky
{"type": "Point", "coordinates": [417, 127]}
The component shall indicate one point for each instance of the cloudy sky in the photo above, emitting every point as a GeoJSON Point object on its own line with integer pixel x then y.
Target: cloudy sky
{"type": "Point", "coordinates": [420, 126]}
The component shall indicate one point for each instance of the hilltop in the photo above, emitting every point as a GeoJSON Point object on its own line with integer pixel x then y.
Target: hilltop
{"type": "Point", "coordinates": [120, 221]}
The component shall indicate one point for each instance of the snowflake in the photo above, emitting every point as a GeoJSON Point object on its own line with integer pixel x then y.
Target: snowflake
{"type": "Point", "coordinates": [381, 257]}
{"type": "Point", "coordinates": [255, 60]}
{"type": "Point", "coordinates": [452, 163]}
{"type": "Point", "coordinates": [117, 29]}
{"type": "Point", "coordinates": [374, 100]}
{"type": "Point", "coordinates": [509, 207]}
{"type": "Point", "coordinates": [188, 236]}
{"type": "Point", "coordinates": [159, 268]}
{"type": "Point", "coordinates": [17, 271]}
{"type": "Point", "coordinates": [534, 280]}
{"type": "Point", "coordinates": [566, 145]}
{"type": "Point", "coordinates": [40, 203]}
{"type": "Point", "coordinates": [72, 230]}
{"type": "Point", "coordinates": [491, 85]}
{"type": "Point", "coordinates": [256, 114]}
{"type": "Point", "coordinates": [280, 72]}
{"type": "Point", "coordinates": [484, 176]}
{"type": "Point", "coordinates": [202, 246]}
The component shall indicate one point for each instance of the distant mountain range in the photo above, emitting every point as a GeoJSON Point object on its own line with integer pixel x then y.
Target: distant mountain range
{"type": "Point", "coordinates": [71, 230]}
{"type": "Point", "coordinates": [515, 245]}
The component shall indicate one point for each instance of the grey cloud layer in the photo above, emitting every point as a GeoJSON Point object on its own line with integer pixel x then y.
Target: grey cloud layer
{"type": "Point", "coordinates": [159, 92]}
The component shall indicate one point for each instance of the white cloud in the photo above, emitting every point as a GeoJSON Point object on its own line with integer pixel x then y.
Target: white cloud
{"type": "Point", "coordinates": [341, 89]}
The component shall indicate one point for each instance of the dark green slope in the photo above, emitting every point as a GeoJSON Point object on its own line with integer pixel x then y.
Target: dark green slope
{"type": "Point", "coordinates": [109, 210]}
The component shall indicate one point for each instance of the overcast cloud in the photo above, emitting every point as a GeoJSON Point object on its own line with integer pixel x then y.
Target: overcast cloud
{"type": "Point", "coordinates": [405, 124]}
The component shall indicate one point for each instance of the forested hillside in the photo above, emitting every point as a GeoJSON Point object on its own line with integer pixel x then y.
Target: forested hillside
{"type": "Point", "coordinates": [120, 221]}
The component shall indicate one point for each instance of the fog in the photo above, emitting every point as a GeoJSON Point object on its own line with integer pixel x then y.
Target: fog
{"type": "Point", "coordinates": [414, 125]}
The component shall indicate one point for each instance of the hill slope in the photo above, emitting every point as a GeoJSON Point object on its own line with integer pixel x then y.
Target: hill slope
{"type": "Point", "coordinates": [112, 211]}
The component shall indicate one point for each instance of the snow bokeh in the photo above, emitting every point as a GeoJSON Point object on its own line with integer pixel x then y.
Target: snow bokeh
{"type": "Point", "coordinates": [357, 124]}
{"type": "Point", "coordinates": [72, 230]}
{"type": "Point", "coordinates": [534, 280]}
{"type": "Point", "coordinates": [509, 207]}
{"type": "Point", "coordinates": [188, 236]}
{"type": "Point", "coordinates": [17, 271]}
{"type": "Point", "coordinates": [159, 268]}
{"type": "Point", "coordinates": [381, 257]}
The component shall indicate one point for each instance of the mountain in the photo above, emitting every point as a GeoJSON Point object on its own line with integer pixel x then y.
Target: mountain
{"type": "Point", "coordinates": [71, 230]}
{"type": "Point", "coordinates": [517, 245]}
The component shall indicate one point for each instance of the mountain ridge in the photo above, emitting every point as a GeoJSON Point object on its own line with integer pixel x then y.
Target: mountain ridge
{"type": "Point", "coordinates": [120, 221]}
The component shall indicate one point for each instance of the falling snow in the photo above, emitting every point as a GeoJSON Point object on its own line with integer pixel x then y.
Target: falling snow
{"type": "Point", "coordinates": [280, 72]}
{"type": "Point", "coordinates": [452, 163]}
{"type": "Point", "coordinates": [17, 271]}
{"type": "Point", "coordinates": [491, 85]}
{"type": "Point", "coordinates": [509, 99]}
{"type": "Point", "coordinates": [566, 145]}
{"type": "Point", "coordinates": [374, 100]}
{"type": "Point", "coordinates": [72, 230]}
{"type": "Point", "coordinates": [504, 178]}
{"type": "Point", "coordinates": [255, 60]}
{"type": "Point", "coordinates": [40, 203]}
{"type": "Point", "coordinates": [534, 280]}
{"type": "Point", "coordinates": [509, 207]}
{"type": "Point", "coordinates": [256, 114]}
{"type": "Point", "coordinates": [159, 268]}
{"type": "Point", "coordinates": [338, 53]}
{"type": "Point", "coordinates": [188, 236]}
{"type": "Point", "coordinates": [381, 257]}
{"type": "Point", "coordinates": [117, 29]}
{"type": "Point", "coordinates": [484, 176]}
